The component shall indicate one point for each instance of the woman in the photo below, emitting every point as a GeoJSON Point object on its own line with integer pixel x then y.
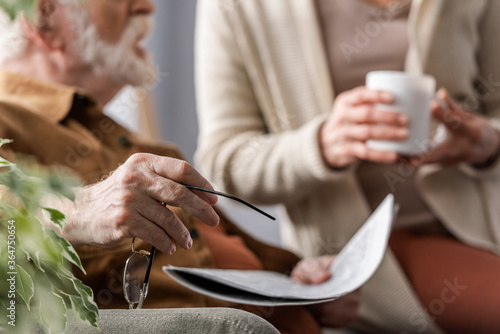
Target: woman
{"type": "Point", "coordinates": [268, 74]}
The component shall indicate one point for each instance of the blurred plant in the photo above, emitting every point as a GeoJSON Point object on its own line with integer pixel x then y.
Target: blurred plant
{"type": "Point", "coordinates": [46, 291]}
{"type": "Point", "coordinates": [14, 7]}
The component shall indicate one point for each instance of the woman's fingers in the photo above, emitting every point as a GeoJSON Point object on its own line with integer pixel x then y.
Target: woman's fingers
{"type": "Point", "coordinates": [313, 270]}
{"type": "Point", "coordinates": [371, 132]}
{"type": "Point", "coordinates": [369, 114]}
{"type": "Point", "coordinates": [444, 154]}
{"type": "Point", "coordinates": [363, 152]}
{"type": "Point", "coordinates": [356, 119]}
{"type": "Point", "coordinates": [345, 153]}
{"type": "Point", "coordinates": [359, 150]}
{"type": "Point", "coordinates": [456, 120]}
{"type": "Point", "coordinates": [472, 138]}
{"type": "Point", "coordinates": [362, 95]}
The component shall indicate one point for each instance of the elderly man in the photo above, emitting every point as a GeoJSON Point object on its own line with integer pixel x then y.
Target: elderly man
{"type": "Point", "coordinates": [59, 70]}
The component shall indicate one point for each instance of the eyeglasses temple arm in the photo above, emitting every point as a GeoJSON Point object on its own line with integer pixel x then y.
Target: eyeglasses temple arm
{"type": "Point", "coordinates": [150, 263]}
{"type": "Point", "coordinates": [233, 198]}
{"type": "Point", "coordinates": [146, 278]}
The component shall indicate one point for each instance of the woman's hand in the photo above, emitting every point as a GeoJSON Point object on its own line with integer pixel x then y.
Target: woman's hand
{"type": "Point", "coordinates": [314, 270]}
{"type": "Point", "coordinates": [471, 138]}
{"type": "Point", "coordinates": [354, 120]}
{"type": "Point", "coordinates": [338, 313]}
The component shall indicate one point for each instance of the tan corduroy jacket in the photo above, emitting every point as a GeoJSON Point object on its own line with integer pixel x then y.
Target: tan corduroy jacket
{"type": "Point", "coordinates": [264, 89]}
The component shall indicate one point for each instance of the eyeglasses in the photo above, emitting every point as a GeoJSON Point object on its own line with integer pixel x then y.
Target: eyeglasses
{"type": "Point", "coordinates": [139, 263]}
{"type": "Point", "coordinates": [135, 282]}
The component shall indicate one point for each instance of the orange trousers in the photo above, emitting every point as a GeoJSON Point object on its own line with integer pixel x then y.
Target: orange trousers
{"type": "Point", "coordinates": [458, 285]}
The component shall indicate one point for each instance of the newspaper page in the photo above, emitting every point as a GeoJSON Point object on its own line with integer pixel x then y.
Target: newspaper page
{"type": "Point", "coordinates": [354, 265]}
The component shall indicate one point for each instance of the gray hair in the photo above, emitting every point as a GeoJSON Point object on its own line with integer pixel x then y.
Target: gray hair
{"type": "Point", "coordinates": [13, 39]}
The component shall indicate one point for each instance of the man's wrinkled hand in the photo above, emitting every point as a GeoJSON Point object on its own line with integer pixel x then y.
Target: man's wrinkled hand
{"type": "Point", "coordinates": [128, 204]}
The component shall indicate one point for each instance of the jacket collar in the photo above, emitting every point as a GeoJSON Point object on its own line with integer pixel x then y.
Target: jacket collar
{"type": "Point", "coordinates": [48, 99]}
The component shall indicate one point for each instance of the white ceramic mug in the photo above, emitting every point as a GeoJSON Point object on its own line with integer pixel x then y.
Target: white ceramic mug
{"type": "Point", "coordinates": [412, 96]}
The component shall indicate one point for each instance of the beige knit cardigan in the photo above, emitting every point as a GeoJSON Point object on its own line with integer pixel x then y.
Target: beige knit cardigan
{"type": "Point", "coordinates": [263, 90]}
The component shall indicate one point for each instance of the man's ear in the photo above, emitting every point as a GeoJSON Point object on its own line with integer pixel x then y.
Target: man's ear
{"type": "Point", "coordinates": [46, 31]}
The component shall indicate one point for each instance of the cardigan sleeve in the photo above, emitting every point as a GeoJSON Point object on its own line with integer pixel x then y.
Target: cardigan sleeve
{"type": "Point", "coordinates": [236, 148]}
{"type": "Point", "coordinates": [488, 81]}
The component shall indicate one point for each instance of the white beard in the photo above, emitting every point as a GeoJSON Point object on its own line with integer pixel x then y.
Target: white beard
{"type": "Point", "coordinates": [120, 62]}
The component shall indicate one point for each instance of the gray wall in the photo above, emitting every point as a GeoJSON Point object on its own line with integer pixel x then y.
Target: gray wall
{"type": "Point", "coordinates": [172, 46]}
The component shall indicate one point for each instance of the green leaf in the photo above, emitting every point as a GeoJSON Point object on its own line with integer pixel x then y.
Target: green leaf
{"type": "Point", "coordinates": [14, 7]}
{"type": "Point", "coordinates": [70, 254]}
{"type": "Point", "coordinates": [61, 185]}
{"type": "Point", "coordinates": [6, 163]}
{"type": "Point", "coordinates": [24, 285]}
{"type": "Point", "coordinates": [43, 257]}
{"type": "Point", "coordinates": [53, 312]}
{"type": "Point", "coordinates": [53, 249]}
{"type": "Point", "coordinates": [8, 211]}
{"type": "Point", "coordinates": [28, 189]}
{"type": "Point", "coordinates": [85, 305]}
{"type": "Point", "coordinates": [77, 311]}
{"type": "Point", "coordinates": [56, 217]}
{"type": "Point", "coordinates": [65, 289]}
{"type": "Point", "coordinates": [86, 293]}
{"type": "Point", "coordinates": [65, 273]}
{"type": "Point", "coordinates": [84, 313]}
{"type": "Point", "coordinates": [4, 141]}
{"type": "Point", "coordinates": [35, 258]}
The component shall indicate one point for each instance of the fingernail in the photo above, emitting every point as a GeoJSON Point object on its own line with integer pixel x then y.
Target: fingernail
{"type": "Point", "coordinates": [416, 161]}
{"type": "Point", "coordinates": [213, 199]}
{"type": "Point", "coordinates": [216, 220]}
{"type": "Point", "coordinates": [172, 251]}
{"type": "Point", "coordinates": [403, 119]}
{"type": "Point", "coordinates": [442, 92]}
{"type": "Point", "coordinates": [210, 217]}
{"type": "Point", "coordinates": [441, 102]}
{"type": "Point", "coordinates": [403, 132]}
{"type": "Point", "coordinates": [190, 243]}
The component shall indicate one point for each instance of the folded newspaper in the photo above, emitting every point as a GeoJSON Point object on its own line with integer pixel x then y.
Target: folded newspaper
{"type": "Point", "coordinates": [354, 265]}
